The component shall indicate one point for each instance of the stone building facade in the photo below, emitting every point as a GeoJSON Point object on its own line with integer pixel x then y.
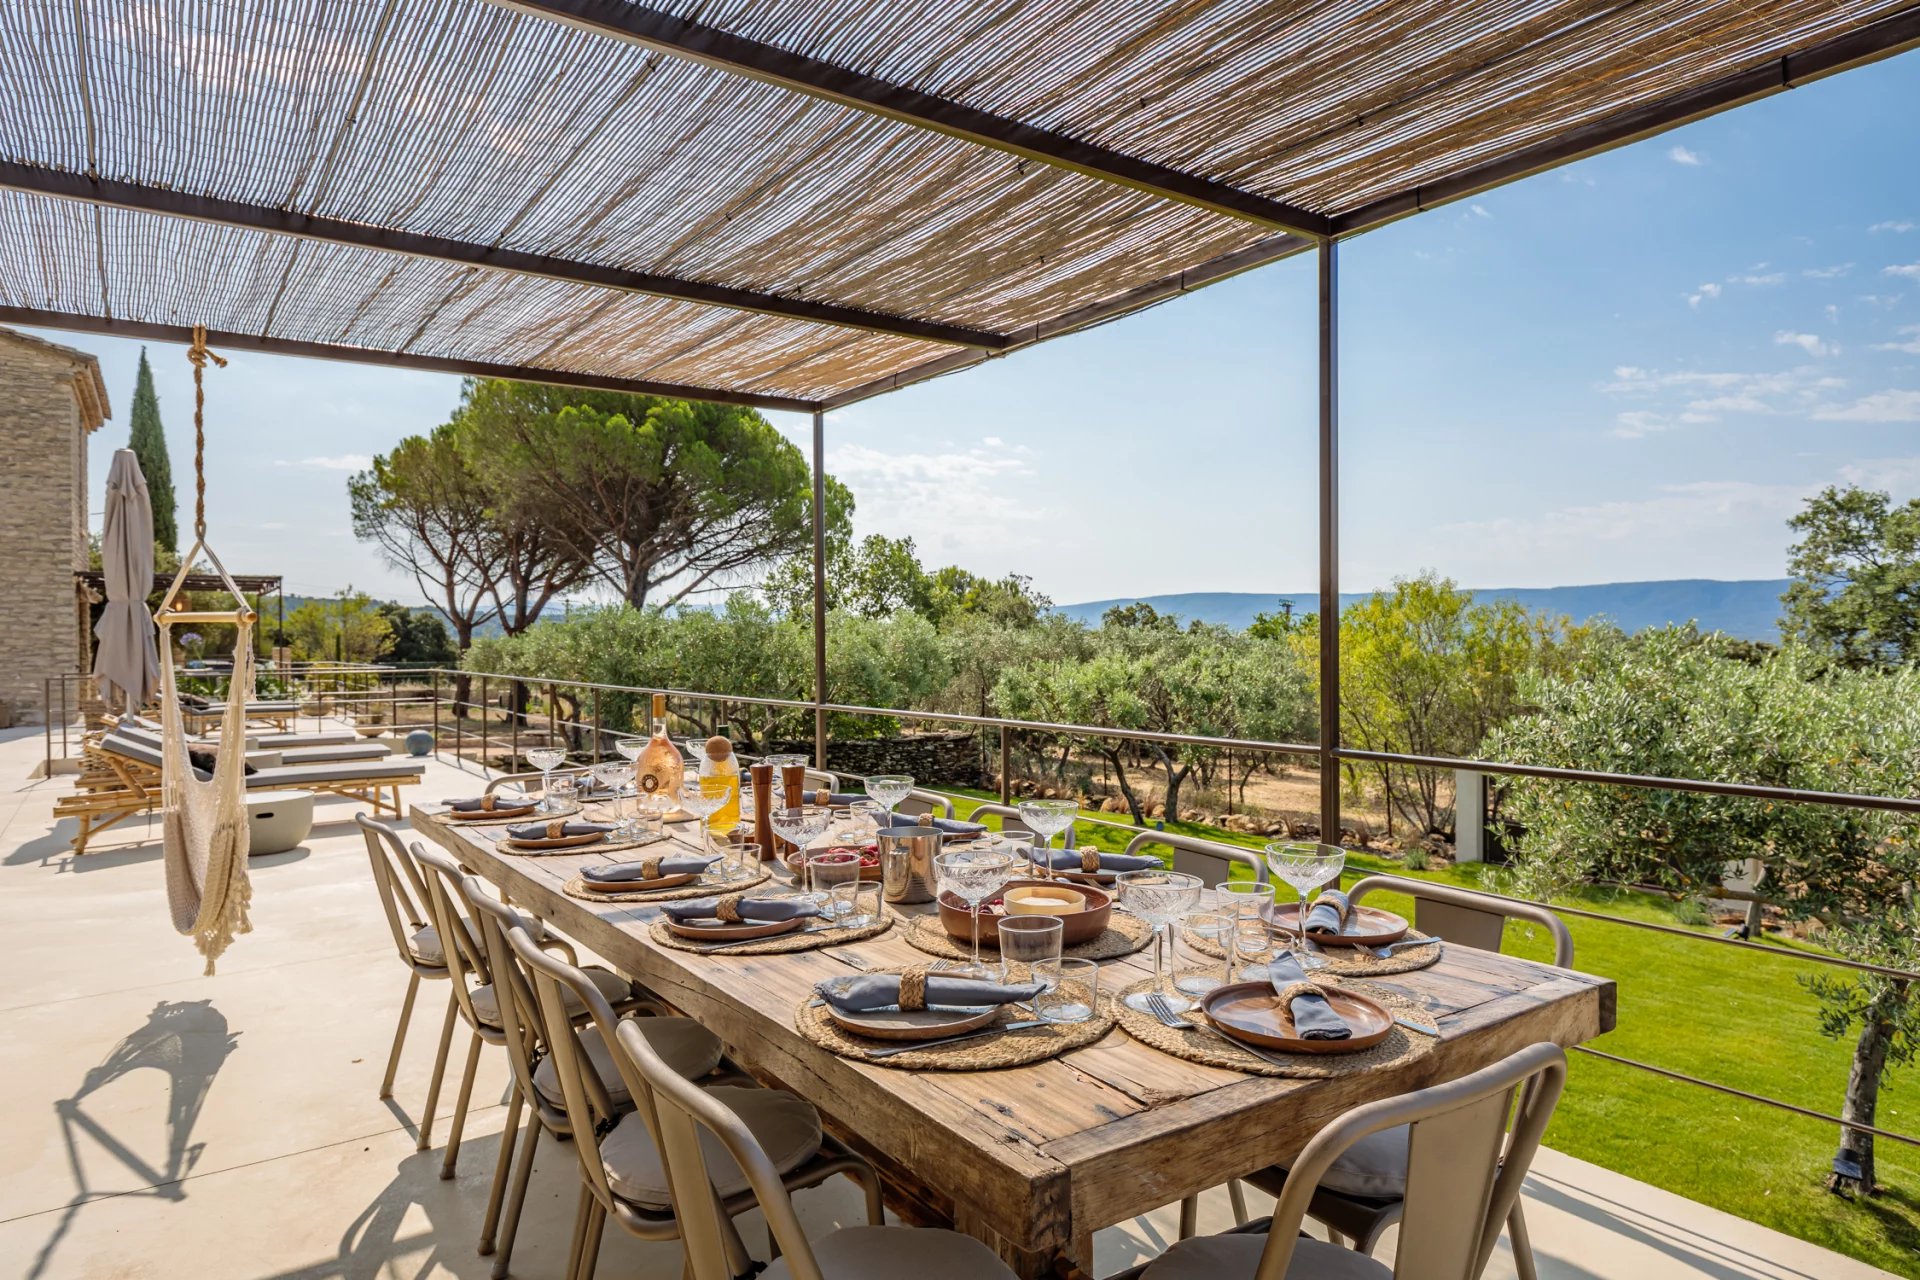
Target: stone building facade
{"type": "Point", "coordinates": [51, 399]}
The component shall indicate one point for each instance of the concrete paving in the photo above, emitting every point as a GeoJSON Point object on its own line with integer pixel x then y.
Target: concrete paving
{"type": "Point", "coordinates": [158, 1123]}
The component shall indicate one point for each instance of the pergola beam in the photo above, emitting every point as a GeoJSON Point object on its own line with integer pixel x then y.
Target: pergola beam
{"type": "Point", "coordinates": [64, 185]}
{"type": "Point", "coordinates": [393, 359]}
{"type": "Point", "coordinates": [812, 76]}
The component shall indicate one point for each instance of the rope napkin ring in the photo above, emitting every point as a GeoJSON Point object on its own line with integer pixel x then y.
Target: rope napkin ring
{"type": "Point", "coordinates": [649, 868]}
{"type": "Point", "coordinates": [727, 909]}
{"type": "Point", "coordinates": [556, 828]}
{"type": "Point", "coordinates": [913, 989]}
{"type": "Point", "coordinates": [1295, 990]}
{"type": "Point", "coordinates": [1089, 859]}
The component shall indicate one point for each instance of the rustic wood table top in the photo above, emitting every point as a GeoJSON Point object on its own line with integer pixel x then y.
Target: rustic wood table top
{"type": "Point", "coordinates": [1034, 1159]}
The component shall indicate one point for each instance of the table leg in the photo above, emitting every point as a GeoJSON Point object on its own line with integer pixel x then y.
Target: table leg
{"type": "Point", "coordinates": [1028, 1264]}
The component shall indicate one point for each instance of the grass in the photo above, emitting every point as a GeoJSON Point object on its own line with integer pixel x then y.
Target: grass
{"type": "Point", "coordinates": [1724, 1014]}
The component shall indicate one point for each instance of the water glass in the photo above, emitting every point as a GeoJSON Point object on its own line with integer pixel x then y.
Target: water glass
{"type": "Point", "coordinates": [1252, 945]}
{"type": "Point", "coordinates": [1217, 927]}
{"type": "Point", "coordinates": [1072, 993]}
{"type": "Point", "coordinates": [827, 871]}
{"type": "Point", "coordinates": [1030, 941]}
{"type": "Point", "coordinates": [855, 903]}
{"type": "Point", "coordinates": [562, 790]}
{"type": "Point", "coordinates": [742, 861]}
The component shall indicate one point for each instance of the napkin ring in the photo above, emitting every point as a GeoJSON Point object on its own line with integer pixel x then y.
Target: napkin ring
{"type": "Point", "coordinates": [650, 868]}
{"type": "Point", "coordinates": [1089, 859]}
{"type": "Point", "coordinates": [488, 804]}
{"type": "Point", "coordinates": [913, 989]}
{"type": "Point", "coordinates": [1298, 991]}
{"type": "Point", "coordinates": [556, 828]}
{"type": "Point", "coordinates": [727, 909]}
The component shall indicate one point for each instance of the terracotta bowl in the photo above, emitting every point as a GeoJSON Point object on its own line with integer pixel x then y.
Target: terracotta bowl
{"type": "Point", "coordinates": [1076, 928]}
{"type": "Point", "coordinates": [869, 870]}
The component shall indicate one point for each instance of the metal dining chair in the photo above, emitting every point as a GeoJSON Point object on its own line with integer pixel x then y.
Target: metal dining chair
{"type": "Point", "coordinates": [1211, 860]}
{"type": "Point", "coordinates": [1469, 1144]}
{"type": "Point", "coordinates": [404, 900]}
{"type": "Point", "coordinates": [623, 1173]}
{"type": "Point", "coordinates": [1363, 1191]}
{"type": "Point", "coordinates": [685, 1046]}
{"type": "Point", "coordinates": [707, 1146]}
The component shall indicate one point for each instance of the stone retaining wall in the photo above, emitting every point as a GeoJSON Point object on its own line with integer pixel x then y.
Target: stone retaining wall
{"type": "Point", "coordinates": [939, 759]}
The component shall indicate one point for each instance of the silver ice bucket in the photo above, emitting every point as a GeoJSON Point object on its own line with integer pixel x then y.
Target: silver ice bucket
{"type": "Point", "coordinates": [906, 863]}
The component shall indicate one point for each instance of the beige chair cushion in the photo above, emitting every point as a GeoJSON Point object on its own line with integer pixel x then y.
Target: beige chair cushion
{"type": "Point", "coordinates": [1237, 1257]}
{"type": "Point", "coordinates": [890, 1253]}
{"type": "Point", "coordinates": [614, 987]}
{"type": "Point", "coordinates": [426, 948]}
{"type": "Point", "coordinates": [683, 1044]}
{"type": "Point", "coordinates": [1374, 1168]}
{"type": "Point", "coordinates": [787, 1129]}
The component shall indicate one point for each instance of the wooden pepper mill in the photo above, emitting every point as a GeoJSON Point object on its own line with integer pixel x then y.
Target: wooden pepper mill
{"type": "Point", "coordinates": [762, 775]}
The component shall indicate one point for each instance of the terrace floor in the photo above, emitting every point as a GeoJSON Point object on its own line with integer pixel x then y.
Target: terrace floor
{"type": "Point", "coordinates": [158, 1123]}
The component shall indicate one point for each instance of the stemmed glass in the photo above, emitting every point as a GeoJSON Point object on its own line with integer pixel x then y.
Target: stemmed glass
{"type": "Point", "coordinates": [615, 777]}
{"type": "Point", "coordinates": [973, 876]}
{"type": "Point", "coordinates": [630, 748]}
{"type": "Point", "coordinates": [1306, 867]}
{"type": "Point", "coordinates": [695, 800]}
{"type": "Point", "coordinates": [1159, 898]}
{"type": "Point", "coordinates": [1048, 818]}
{"type": "Point", "coordinates": [546, 760]}
{"type": "Point", "coordinates": [889, 789]}
{"type": "Point", "coordinates": [799, 827]}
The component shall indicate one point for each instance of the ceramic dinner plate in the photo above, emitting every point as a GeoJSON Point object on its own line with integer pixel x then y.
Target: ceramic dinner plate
{"type": "Point", "coordinates": [478, 815]}
{"type": "Point", "coordinates": [1106, 878]}
{"type": "Point", "coordinates": [559, 842]}
{"type": "Point", "coordinates": [640, 886]}
{"type": "Point", "coordinates": [1251, 1012]}
{"type": "Point", "coordinates": [921, 1024]}
{"type": "Point", "coordinates": [1366, 927]}
{"type": "Point", "coordinates": [715, 931]}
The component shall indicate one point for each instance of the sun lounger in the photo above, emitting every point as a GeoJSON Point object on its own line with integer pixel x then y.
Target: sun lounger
{"type": "Point", "coordinates": [280, 715]}
{"type": "Point", "coordinates": [275, 756]}
{"type": "Point", "coordinates": [120, 779]}
{"type": "Point", "coordinates": [263, 741]}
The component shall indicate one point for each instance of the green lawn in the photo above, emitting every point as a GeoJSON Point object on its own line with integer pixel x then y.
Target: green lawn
{"type": "Point", "coordinates": [1725, 1014]}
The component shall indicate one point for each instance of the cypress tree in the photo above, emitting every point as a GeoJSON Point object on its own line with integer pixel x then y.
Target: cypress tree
{"type": "Point", "coordinates": [149, 443]}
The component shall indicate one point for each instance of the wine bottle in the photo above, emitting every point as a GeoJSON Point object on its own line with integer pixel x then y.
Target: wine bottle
{"type": "Point", "coordinates": [659, 771]}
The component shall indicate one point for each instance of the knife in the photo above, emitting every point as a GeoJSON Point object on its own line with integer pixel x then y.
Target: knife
{"type": "Point", "coordinates": [1421, 1027]}
{"type": "Point", "coordinates": [971, 1035]}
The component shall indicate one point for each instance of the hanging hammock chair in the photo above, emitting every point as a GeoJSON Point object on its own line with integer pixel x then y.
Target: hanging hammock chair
{"type": "Point", "coordinates": [204, 820]}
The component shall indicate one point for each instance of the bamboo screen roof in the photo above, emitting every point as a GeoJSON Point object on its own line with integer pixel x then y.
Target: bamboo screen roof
{"type": "Point", "coordinates": [793, 203]}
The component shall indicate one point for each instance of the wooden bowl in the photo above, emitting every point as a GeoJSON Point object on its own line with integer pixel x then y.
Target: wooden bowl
{"type": "Point", "coordinates": [1048, 900]}
{"type": "Point", "coordinates": [1076, 928]}
{"type": "Point", "coordinates": [869, 864]}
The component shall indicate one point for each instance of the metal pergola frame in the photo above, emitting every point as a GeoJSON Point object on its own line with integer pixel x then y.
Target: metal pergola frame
{"type": "Point", "coordinates": [1296, 230]}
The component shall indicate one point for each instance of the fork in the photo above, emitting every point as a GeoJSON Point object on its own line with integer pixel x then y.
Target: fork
{"type": "Point", "coordinates": [1383, 952]}
{"type": "Point", "coordinates": [1161, 1010]}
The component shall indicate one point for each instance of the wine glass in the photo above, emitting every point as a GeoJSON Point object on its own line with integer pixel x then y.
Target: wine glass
{"type": "Point", "coordinates": [1306, 867]}
{"type": "Point", "coordinates": [1159, 898]}
{"type": "Point", "coordinates": [889, 789]}
{"type": "Point", "coordinates": [695, 799]}
{"type": "Point", "coordinates": [1048, 818]}
{"type": "Point", "coordinates": [630, 748]}
{"type": "Point", "coordinates": [546, 760]}
{"type": "Point", "coordinates": [615, 776]}
{"type": "Point", "coordinates": [799, 827]}
{"type": "Point", "coordinates": [973, 876]}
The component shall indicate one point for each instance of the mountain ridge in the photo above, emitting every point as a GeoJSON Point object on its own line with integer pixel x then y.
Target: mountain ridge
{"type": "Point", "coordinates": [1747, 609]}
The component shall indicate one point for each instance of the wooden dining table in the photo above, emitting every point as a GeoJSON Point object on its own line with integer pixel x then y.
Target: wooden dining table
{"type": "Point", "coordinates": [1033, 1160]}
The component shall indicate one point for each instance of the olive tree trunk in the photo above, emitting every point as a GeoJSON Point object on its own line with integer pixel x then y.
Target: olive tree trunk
{"type": "Point", "coordinates": [1863, 1086]}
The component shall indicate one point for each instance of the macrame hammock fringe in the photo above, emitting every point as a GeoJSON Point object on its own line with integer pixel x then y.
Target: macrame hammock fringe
{"type": "Point", "coordinates": [204, 822]}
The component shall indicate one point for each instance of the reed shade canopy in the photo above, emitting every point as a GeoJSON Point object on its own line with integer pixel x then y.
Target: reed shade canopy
{"type": "Point", "coordinates": [788, 203]}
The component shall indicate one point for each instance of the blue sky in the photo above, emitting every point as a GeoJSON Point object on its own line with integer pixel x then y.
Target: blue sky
{"type": "Point", "coordinates": [1634, 367]}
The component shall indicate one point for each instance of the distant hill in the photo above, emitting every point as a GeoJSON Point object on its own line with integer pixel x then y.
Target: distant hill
{"type": "Point", "coordinates": [1748, 610]}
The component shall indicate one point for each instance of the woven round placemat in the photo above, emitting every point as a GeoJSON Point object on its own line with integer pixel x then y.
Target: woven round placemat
{"type": "Point", "coordinates": [1213, 1050]}
{"type": "Point", "coordinates": [448, 820]}
{"type": "Point", "coordinates": [1352, 962]}
{"type": "Point", "coordinates": [505, 845]}
{"type": "Point", "coordinates": [576, 888]}
{"type": "Point", "coordinates": [780, 944]}
{"type": "Point", "coordinates": [986, 1053]}
{"type": "Point", "coordinates": [1124, 935]}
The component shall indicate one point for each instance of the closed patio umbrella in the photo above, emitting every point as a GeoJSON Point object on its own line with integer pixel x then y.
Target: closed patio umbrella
{"type": "Point", "coordinates": [125, 658]}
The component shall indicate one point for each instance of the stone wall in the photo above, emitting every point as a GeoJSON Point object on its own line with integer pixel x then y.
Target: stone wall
{"type": "Point", "coordinates": [938, 759]}
{"type": "Point", "coordinates": [44, 423]}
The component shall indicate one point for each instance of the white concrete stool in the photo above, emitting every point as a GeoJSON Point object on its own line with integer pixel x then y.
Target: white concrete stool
{"type": "Point", "coordinates": [278, 820]}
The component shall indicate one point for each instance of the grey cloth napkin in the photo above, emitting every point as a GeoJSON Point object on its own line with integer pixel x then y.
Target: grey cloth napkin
{"type": "Point", "coordinates": [538, 830]}
{"type": "Point", "coordinates": [1069, 860]}
{"type": "Point", "coordinates": [769, 910]}
{"type": "Point", "coordinates": [1313, 1017]}
{"type": "Point", "coordinates": [876, 991]}
{"type": "Point", "coordinates": [501, 800]}
{"type": "Point", "coordinates": [678, 864]}
{"type": "Point", "coordinates": [1329, 912]}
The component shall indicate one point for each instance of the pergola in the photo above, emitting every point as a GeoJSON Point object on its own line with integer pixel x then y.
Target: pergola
{"type": "Point", "coordinates": [801, 204]}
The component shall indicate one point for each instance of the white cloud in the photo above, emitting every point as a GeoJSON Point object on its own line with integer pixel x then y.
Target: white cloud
{"type": "Point", "coordinates": [1833, 314]}
{"type": "Point", "coordinates": [1675, 511]}
{"type": "Point", "coordinates": [1479, 211]}
{"type": "Point", "coordinates": [1911, 346]}
{"type": "Point", "coordinates": [1759, 281]}
{"type": "Point", "coordinates": [1705, 293]}
{"type": "Point", "coordinates": [1910, 270]}
{"type": "Point", "coordinates": [1828, 273]}
{"type": "Point", "coordinates": [1895, 225]}
{"type": "Point", "coordinates": [1887, 300]}
{"type": "Point", "coordinates": [944, 498]}
{"type": "Point", "coordinates": [337, 462]}
{"type": "Point", "coordinates": [272, 524]}
{"type": "Point", "coordinates": [1811, 343]}
{"type": "Point", "coordinates": [1882, 406]}
{"type": "Point", "coordinates": [1680, 155]}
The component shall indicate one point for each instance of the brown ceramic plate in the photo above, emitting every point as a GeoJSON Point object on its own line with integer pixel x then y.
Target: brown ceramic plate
{"type": "Point", "coordinates": [1076, 928]}
{"type": "Point", "coordinates": [475, 815]}
{"type": "Point", "coordinates": [640, 886]}
{"type": "Point", "coordinates": [921, 1024]}
{"type": "Point", "coordinates": [1366, 927]}
{"type": "Point", "coordinates": [1251, 1012]}
{"type": "Point", "coordinates": [714, 931]}
{"type": "Point", "coordinates": [559, 842]}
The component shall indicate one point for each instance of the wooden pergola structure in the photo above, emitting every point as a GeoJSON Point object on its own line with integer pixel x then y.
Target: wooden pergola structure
{"type": "Point", "coordinates": [799, 204]}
